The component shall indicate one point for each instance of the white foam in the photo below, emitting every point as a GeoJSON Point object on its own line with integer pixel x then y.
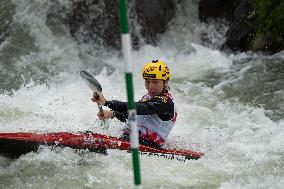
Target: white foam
{"type": "Point", "coordinates": [240, 142]}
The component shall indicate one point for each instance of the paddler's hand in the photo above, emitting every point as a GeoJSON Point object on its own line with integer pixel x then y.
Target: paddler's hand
{"type": "Point", "coordinates": [98, 98]}
{"type": "Point", "coordinates": [106, 115]}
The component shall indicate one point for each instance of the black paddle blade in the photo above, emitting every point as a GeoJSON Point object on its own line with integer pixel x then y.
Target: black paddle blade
{"type": "Point", "coordinates": [91, 81]}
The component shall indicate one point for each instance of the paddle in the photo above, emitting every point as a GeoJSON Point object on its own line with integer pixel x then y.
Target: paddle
{"type": "Point", "coordinates": [96, 87]}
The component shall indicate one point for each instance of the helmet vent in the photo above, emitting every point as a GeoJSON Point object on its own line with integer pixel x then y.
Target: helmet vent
{"type": "Point", "coordinates": [155, 61]}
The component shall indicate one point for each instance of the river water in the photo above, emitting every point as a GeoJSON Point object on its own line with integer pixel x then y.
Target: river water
{"type": "Point", "coordinates": [230, 106]}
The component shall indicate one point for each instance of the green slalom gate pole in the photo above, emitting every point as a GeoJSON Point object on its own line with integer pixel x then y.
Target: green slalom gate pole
{"type": "Point", "coordinates": [126, 50]}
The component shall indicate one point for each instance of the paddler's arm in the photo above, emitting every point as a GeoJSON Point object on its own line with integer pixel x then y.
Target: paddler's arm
{"type": "Point", "coordinates": [163, 106]}
{"type": "Point", "coordinates": [159, 104]}
{"type": "Point", "coordinates": [107, 114]}
{"type": "Point", "coordinates": [119, 109]}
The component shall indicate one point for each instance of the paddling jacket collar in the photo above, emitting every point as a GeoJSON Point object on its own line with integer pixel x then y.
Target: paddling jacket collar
{"type": "Point", "coordinates": [161, 105]}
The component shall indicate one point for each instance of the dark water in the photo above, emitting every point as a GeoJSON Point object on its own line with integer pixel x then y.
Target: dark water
{"type": "Point", "coordinates": [230, 106]}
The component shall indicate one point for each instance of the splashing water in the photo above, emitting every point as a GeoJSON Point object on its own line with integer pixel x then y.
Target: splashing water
{"type": "Point", "coordinates": [242, 141]}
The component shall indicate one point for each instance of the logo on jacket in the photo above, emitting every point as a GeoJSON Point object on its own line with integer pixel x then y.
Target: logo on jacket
{"type": "Point", "coordinates": [162, 98]}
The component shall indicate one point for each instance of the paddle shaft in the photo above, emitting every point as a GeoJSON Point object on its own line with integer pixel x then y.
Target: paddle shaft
{"type": "Point", "coordinates": [101, 111]}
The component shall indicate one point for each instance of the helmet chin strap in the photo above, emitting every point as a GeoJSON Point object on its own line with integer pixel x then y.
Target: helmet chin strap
{"type": "Point", "coordinates": [166, 86]}
{"type": "Point", "coordinates": [166, 89]}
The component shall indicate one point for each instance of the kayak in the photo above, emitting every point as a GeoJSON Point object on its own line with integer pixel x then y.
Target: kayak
{"type": "Point", "coordinates": [14, 145]}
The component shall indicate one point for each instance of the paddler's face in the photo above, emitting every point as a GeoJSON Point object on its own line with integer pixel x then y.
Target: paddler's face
{"type": "Point", "coordinates": [154, 86]}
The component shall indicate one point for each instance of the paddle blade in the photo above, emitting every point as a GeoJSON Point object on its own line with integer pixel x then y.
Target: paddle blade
{"type": "Point", "coordinates": [91, 81]}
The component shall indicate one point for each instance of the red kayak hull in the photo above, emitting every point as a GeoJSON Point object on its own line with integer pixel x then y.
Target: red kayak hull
{"type": "Point", "coordinates": [16, 144]}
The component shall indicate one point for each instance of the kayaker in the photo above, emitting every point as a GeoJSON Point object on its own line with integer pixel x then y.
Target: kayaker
{"type": "Point", "coordinates": [156, 113]}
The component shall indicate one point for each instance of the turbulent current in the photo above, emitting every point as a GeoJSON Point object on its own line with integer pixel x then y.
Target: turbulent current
{"type": "Point", "coordinates": [230, 106]}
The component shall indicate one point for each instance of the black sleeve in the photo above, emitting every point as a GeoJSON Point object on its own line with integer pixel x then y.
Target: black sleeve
{"type": "Point", "coordinates": [119, 108]}
{"type": "Point", "coordinates": [121, 117]}
{"type": "Point", "coordinates": [161, 105]}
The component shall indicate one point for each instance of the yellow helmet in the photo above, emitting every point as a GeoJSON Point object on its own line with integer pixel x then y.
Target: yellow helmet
{"type": "Point", "coordinates": [156, 70]}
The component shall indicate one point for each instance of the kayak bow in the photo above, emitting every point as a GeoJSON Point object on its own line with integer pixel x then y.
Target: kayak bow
{"type": "Point", "coordinates": [16, 144]}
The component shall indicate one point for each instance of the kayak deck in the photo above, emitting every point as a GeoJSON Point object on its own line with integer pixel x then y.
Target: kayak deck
{"type": "Point", "coordinates": [16, 144]}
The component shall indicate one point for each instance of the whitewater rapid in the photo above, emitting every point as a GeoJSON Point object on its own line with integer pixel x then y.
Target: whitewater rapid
{"type": "Point", "coordinates": [243, 146]}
